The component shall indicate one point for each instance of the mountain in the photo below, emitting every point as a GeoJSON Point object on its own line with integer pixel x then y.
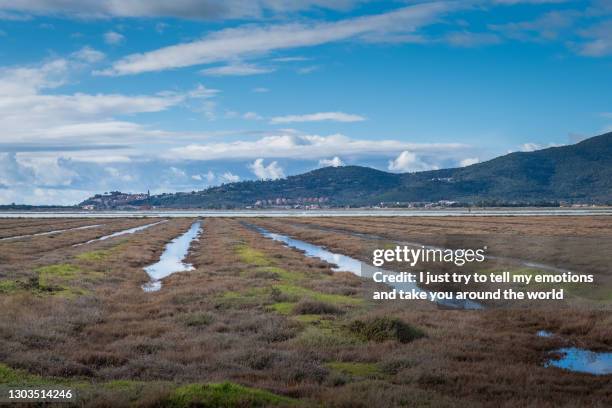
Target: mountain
{"type": "Point", "coordinates": [579, 173]}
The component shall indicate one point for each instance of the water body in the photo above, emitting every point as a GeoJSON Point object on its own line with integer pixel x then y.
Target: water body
{"type": "Point", "coordinates": [119, 233]}
{"type": "Point", "coordinates": [449, 212]}
{"type": "Point", "coordinates": [582, 361]}
{"type": "Point", "coordinates": [578, 359]}
{"type": "Point", "coordinates": [354, 266]}
{"type": "Point", "coordinates": [171, 260]}
{"type": "Point", "coordinates": [374, 237]}
{"type": "Point", "coordinates": [39, 234]}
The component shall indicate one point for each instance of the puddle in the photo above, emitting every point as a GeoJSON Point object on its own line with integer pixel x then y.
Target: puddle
{"type": "Point", "coordinates": [578, 359]}
{"type": "Point", "coordinates": [347, 264]}
{"type": "Point", "coordinates": [39, 234]}
{"type": "Point", "coordinates": [171, 260]}
{"type": "Point", "coordinates": [582, 361]}
{"type": "Point", "coordinates": [119, 233]}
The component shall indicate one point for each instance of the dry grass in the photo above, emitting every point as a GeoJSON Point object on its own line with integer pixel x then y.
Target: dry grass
{"type": "Point", "coordinates": [284, 327]}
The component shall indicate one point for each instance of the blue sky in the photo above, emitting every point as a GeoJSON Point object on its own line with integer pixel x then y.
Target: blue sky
{"type": "Point", "coordinates": [173, 96]}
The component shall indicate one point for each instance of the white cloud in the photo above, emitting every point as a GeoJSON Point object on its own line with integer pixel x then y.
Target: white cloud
{"type": "Point", "coordinates": [260, 90]}
{"type": "Point", "coordinates": [43, 196]}
{"type": "Point", "coordinates": [599, 40]}
{"type": "Point", "coordinates": [469, 39]}
{"type": "Point", "coordinates": [308, 70]}
{"type": "Point", "coordinates": [409, 161]}
{"type": "Point", "coordinates": [209, 177]}
{"type": "Point", "coordinates": [29, 114]}
{"type": "Point", "coordinates": [530, 147]}
{"type": "Point", "coordinates": [201, 91]}
{"type": "Point", "coordinates": [113, 38]}
{"type": "Point", "coordinates": [317, 117]}
{"type": "Point", "coordinates": [333, 162]}
{"type": "Point", "coordinates": [18, 81]}
{"type": "Point", "coordinates": [89, 55]}
{"type": "Point", "coordinates": [233, 43]}
{"type": "Point", "coordinates": [469, 161]}
{"type": "Point", "coordinates": [236, 70]}
{"type": "Point", "coordinates": [228, 177]}
{"type": "Point", "coordinates": [35, 170]}
{"type": "Point", "coordinates": [290, 59]}
{"type": "Point", "coordinates": [544, 28]}
{"type": "Point", "coordinates": [189, 9]}
{"type": "Point", "coordinates": [175, 171]}
{"type": "Point", "coordinates": [296, 146]}
{"type": "Point", "coordinates": [270, 172]}
{"type": "Point", "coordinates": [118, 174]}
{"type": "Point", "coordinates": [251, 116]}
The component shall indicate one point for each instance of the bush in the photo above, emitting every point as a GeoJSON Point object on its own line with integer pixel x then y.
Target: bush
{"type": "Point", "coordinates": [308, 306]}
{"type": "Point", "coordinates": [198, 319]}
{"type": "Point", "coordinates": [385, 328]}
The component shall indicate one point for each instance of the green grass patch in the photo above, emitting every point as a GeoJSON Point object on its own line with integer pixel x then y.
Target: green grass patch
{"type": "Point", "coordinates": [11, 376]}
{"type": "Point", "coordinates": [61, 280]}
{"type": "Point", "coordinates": [224, 395]}
{"type": "Point", "coordinates": [356, 369]}
{"type": "Point", "coordinates": [62, 271]}
{"type": "Point", "coordinates": [250, 297]}
{"type": "Point", "coordinates": [123, 384]}
{"type": "Point", "coordinates": [309, 318]}
{"type": "Point", "coordinates": [99, 255]}
{"type": "Point", "coordinates": [322, 336]}
{"type": "Point", "coordinates": [252, 256]}
{"type": "Point", "coordinates": [284, 308]}
{"type": "Point", "coordinates": [9, 286]}
{"type": "Point", "coordinates": [301, 292]}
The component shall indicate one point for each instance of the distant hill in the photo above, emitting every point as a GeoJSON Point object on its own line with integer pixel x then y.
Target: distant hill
{"type": "Point", "coordinates": [579, 173]}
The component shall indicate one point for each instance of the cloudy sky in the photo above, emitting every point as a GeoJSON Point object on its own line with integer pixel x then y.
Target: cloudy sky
{"type": "Point", "coordinates": [180, 95]}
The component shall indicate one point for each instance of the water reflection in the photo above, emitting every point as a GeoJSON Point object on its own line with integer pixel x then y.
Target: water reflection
{"type": "Point", "coordinates": [578, 359]}
{"type": "Point", "coordinates": [582, 361]}
{"type": "Point", "coordinates": [39, 234]}
{"type": "Point", "coordinates": [171, 260]}
{"type": "Point", "coordinates": [119, 233]}
{"type": "Point", "coordinates": [348, 264]}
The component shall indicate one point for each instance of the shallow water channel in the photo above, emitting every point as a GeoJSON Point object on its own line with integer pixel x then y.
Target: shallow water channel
{"type": "Point", "coordinates": [38, 234]}
{"type": "Point", "coordinates": [171, 260]}
{"type": "Point", "coordinates": [579, 359]}
{"type": "Point", "coordinates": [122, 232]}
{"type": "Point", "coordinates": [374, 237]}
{"type": "Point", "coordinates": [347, 264]}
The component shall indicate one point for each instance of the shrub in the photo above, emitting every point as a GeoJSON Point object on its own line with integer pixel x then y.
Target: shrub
{"type": "Point", "coordinates": [198, 319]}
{"type": "Point", "coordinates": [385, 328]}
{"type": "Point", "coordinates": [308, 306]}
